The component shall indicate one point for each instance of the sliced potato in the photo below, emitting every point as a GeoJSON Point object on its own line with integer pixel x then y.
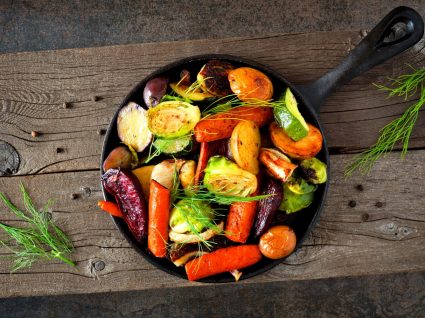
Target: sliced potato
{"type": "Point", "coordinates": [184, 91]}
{"type": "Point", "coordinates": [187, 174]}
{"type": "Point", "coordinates": [248, 83]}
{"type": "Point", "coordinates": [132, 125]}
{"type": "Point", "coordinates": [144, 174]}
{"type": "Point", "coordinates": [245, 144]}
{"type": "Point", "coordinates": [305, 148]}
{"type": "Point", "coordinates": [120, 157]}
{"type": "Point", "coordinates": [165, 172]}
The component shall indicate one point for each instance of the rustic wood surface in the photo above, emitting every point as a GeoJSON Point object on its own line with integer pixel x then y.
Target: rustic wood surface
{"type": "Point", "coordinates": [367, 239]}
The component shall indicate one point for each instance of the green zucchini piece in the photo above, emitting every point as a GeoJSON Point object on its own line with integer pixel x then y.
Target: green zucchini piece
{"type": "Point", "coordinates": [173, 119]}
{"type": "Point", "coordinates": [289, 117]}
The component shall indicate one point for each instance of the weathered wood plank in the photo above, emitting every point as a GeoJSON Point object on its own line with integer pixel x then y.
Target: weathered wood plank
{"type": "Point", "coordinates": [368, 239]}
{"type": "Point", "coordinates": [34, 86]}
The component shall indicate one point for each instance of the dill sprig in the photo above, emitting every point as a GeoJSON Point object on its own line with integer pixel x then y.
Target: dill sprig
{"type": "Point", "coordinates": [228, 102]}
{"type": "Point", "coordinates": [400, 129]}
{"type": "Point", "coordinates": [200, 193]}
{"type": "Point", "coordinates": [40, 239]}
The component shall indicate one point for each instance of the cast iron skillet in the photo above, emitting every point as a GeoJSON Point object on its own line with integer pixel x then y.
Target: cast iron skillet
{"type": "Point", "coordinates": [399, 30]}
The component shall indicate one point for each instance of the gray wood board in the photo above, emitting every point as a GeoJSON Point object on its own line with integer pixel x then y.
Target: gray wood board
{"type": "Point", "coordinates": [35, 85]}
{"type": "Point", "coordinates": [366, 239]}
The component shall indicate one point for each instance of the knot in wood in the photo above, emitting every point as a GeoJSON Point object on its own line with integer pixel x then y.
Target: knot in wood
{"type": "Point", "coordinates": [99, 265]}
{"type": "Point", "coordinates": [9, 159]}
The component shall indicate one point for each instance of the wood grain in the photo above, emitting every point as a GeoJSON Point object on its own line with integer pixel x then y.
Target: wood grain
{"type": "Point", "coordinates": [34, 86]}
{"type": "Point", "coordinates": [367, 239]}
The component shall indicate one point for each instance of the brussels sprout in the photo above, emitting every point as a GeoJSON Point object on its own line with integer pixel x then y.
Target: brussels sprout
{"type": "Point", "coordinates": [223, 176]}
{"type": "Point", "coordinates": [171, 146]}
{"type": "Point", "coordinates": [190, 216]}
{"type": "Point", "coordinates": [314, 170]}
{"type": "Point", "coordinates": [293, 202]}
{"type": "Point", "coordinates": [300, 186]}
{"type": "Point", "coordinates": [173, 119]}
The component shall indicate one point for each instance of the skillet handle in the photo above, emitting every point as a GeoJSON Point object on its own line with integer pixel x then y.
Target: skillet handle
{"type": "Point", "coordinates": [399, 30]}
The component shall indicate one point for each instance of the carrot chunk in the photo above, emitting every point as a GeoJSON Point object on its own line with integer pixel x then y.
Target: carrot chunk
{"type": "Point", "coordinates": [159, 213]}
{"type": "Point", "coordinates": [110, 207]}
{"type": "Point", "coordinates": [222, 260]}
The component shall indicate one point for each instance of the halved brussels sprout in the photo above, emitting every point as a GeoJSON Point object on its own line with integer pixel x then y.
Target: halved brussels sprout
{"type": "Point", "coordinates": [300, 186]}
{"type": "Point", "coordinates": [314, 170]}
{"type": "Point", "coordinates": [223, 176]}
{"type": "Point", "coordinates": [293, 202]}
{"type": "Point", "coordinates": [173, 145]}
{"type": "Point", "coordinates": [173, 119]}
{"type": "Point", "coordinates": [190, 216]}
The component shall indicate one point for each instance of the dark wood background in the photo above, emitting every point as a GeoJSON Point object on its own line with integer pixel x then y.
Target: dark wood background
{"type": "Point", "coordinates": [350, 118]}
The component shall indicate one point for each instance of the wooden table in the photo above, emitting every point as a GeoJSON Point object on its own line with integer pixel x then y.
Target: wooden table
{"type": "Point", "coordinates": [383, 233]}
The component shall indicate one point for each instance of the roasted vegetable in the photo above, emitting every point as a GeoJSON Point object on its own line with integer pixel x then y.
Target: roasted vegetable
{"type": "Point", "coordinates": [167, 172]}
{"type": "Point", "coordinates": [154, 90]}
{"type": "Point", "coordinates": [132, 125]}
{"type": "Point", "coordinates": [277, 164]}
{"type": "Point", "coordinates": [187, 174]}
{"type": "Point", "coordinates": [278, 242]}
{"type": "Point", "coordinates": [305, 148]}
{"type": "Point", "coordinates": [314, 170]}
{"type": "Point", "coordinates": [186, 92]}
{"type": "Point", "coordinates": [224, 177]}
{"type": "Point", "coordinates": [240, 220]}
{"type": "Point", "coordinates": [180, 254]}
{"type": "Point", "coordinates": [221, 125]}
{"type": "Point", "coordinates": [222, 260]}
{"type": "Point", "coordinates": [267, 207]}
{"type": "Point", "coordinates": [126, 189]}
{"type": "Point", "coordinates": [289, 117]}
{"type": "Point", "coordinates": [300, 186]}
{"type": "Point", "coordinates": [159, 211]}
{"type": "Point", "coordinates": [245, 145]}
{"type": "Point", "coordinates": [172, 146]}
{"type": "Point", "coordinates": [204, 237]}
{"type": "Point", "coordinates": [190, 216]}
{"type": "Point", "coordinates": [110, 207]}
{"type": "Point", "coordinates": [248, 84]}
{"type": "Point", "coordinates": [144, 175]}
{"type": "Point", "coordinates": [173, 119]}
{"type": "Point", "coordinates": [120, 157]}
{"type": "Point", "coordinates": [204, 155]}
{"type": "Point", "coordinates": [293, 202]}
{"type": "Point", "coordinates": [213, 77]}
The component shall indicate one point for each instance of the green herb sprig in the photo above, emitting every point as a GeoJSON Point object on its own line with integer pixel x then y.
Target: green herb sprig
{"type": "Point", "coordinates": [400, 129]}
{"type": "Point", "coordinates": [40, 239]}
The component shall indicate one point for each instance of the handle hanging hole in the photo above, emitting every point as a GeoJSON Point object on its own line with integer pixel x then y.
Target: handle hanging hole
{"type": "Point", "coordinates": [399, 31]}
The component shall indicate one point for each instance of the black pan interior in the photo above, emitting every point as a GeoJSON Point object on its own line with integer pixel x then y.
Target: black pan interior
{"type": "Point", "coordinates": [301, 222]}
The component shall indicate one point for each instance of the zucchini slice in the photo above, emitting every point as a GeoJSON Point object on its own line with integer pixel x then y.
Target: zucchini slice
{"type": "Point", "coordinates": [290, 119]}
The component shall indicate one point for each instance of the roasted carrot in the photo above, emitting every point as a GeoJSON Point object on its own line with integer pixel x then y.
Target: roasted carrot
{"type": "Point", "coordinates": [241, 217]}
{"type": "Point", "coordinates": [220, 126]}
{"type": "Point", "coordinates": [110, 207]}
{"type": "Point", "coordinates": [204, 155]}
{"type": "Point", "coordinates": [222, 260]}
{"type": "Point", "coordinates": [240, 220]}
{"type": "Point", "coordinates": [159, 212]}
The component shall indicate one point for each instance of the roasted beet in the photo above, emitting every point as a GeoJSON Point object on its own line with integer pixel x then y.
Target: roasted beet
{"type": "Point", "coordinates": [128, 193]}
{"type": "Point", "coordinates": [267, 207]}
